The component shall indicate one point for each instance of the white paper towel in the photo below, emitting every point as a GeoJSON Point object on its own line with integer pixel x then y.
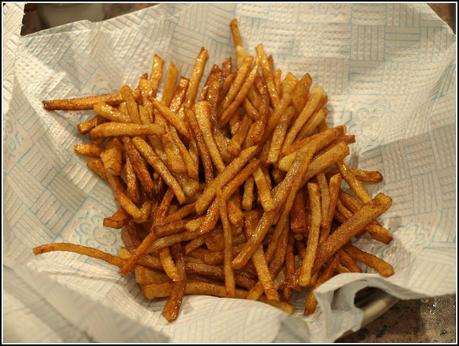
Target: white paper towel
{"type": "Point", "coordinates": [389, 71]}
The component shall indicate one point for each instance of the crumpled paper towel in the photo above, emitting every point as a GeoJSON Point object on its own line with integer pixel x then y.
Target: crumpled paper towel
{"type": "Point", "coordinates": [389, 71]}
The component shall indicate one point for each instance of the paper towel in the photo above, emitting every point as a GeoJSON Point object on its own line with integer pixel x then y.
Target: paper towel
{"type": "Point", "coordinates": [389, 72]}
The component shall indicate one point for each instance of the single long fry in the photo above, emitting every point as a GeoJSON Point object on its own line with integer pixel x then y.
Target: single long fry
{"type": "Point", "coordinates": [174, 158]}
{"type": "Point", "coordinates": [324, 197]}
{"type": "Point", "coordinates": [230, 284]}
{"type": "Point", "coordinates": [148, 153]}
{"type": "Point", "coordinates": [313, 237]}
{"type": "Point", "coordinates": [85, 103]}
{"type": "Point", "coordinates": [79, 249]}
{"type": "Point", "coordinates": [125, 129]}
{"type": "Point", "coordinates": [263, 190]}
{"type": "Point", "coordinates": [248, 196]}
{"type": "Point", "coordinates": [156, 74]}
{"type": "Point", "coordinates": [333, 188]}
{"type": "Point", "coordinates": [355, 224]}
{"type": "Point", "coordinates": [168, 264]}
{"type": "Point", "coordinates": [171, 117]}
{"type": "Point", "coordinates": [353, 183]}
{"type": "Point", "coordinates": [195, 78]}
{"type": "Point", "coordinates": [378, 264]}
{"type": "Point", "coordinates": [235, 145]}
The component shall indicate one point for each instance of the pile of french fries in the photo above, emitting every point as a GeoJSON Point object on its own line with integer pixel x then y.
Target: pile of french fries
{"type": "Point", "coordinates": [233, 191]}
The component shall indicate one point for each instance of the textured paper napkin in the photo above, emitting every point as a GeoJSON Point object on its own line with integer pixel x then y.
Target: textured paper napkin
{"type": "Point", "coordinates": [389, 71]}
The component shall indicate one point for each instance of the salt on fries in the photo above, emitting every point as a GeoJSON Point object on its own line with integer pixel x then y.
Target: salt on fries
{"type": "Point", "coordinates": [234, 191]}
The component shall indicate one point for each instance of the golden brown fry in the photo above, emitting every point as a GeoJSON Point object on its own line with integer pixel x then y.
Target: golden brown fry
{"type": "Point", "coordinates": [268, 75]}
{"type": "Point", "coordinates": [324, 197]}
{"type": "Point", "coordinates": [79, 249]}
{"type": "Point", "coordinates": [225, 176]}
{"type": "Point", "coordinates": [300, 93]}
{"type": "Point", "coordinates": [172, 307]}
{"type": "Point", "coordinates": [230, 284]}
{"type": "Point", "coordinates": [171, 117]}
{"type": "Point", "coordinates": [234, 146]}
{"type": "Point", "coordinates": [110, 113]}
{"type": "Point", "coordinates": [228, 80]}
{"type": "Point", "coordinates": [202, 112]}
{"type": "Point", "coordinates": [156, 74]}
{"type": "Point", "coordinates": [378, 264]}
{"type": "Point", "coordinates": [248, 196]}
{"type": "Point", "coordinates": [149, 155]}
{"type": "Point", "coordinates": [203, 150]}
{"type": "Point", "coordinates": [85, 103]}
{"type": "Point", "coordinates": [259, 260]}
{"type": "Point", "coordinates": [263, 190]}
{"type": "Point", "coordinates": [195, 78]}
{"type": "Point", "coordinates": [308, 110]}
{"type": "Point", "coordinates": [313, 237]}
{"type": "Point", "coordinates": [333, 188]}
{"type": "Point", "coordinates": [88, 149]}
{"type": "Point", "coordinates": [131, 182]}
{"type": "Point", "coordinates": [355, 224]}
{"type": "Point", "coordinates": [298, 214]}
{"type": "Point", "coordinates": [168, 264]}
{"type": "Point", "coordinates": [169, 85]}
{"type": "Point", "coordinates": [121, 197]}
{"type": "Point", "coordinates": [174, 158]}
{"type": "Point", "coordinates": [193, 287]}
{"type": "Point", "coordinates": [112, 156]}
{"type": "Point", "coordinates": [125, 129]}
{"type": "Point", "coordinates": [313, 123]}
{"type": "Point", "coordinates": [279, 134]}
{"type": "Point", "coordinates": [161, 211]}
{"type": "Point", "coordinates": [235, 215]}
{"type": "Point", "coordinates": [353, 183]}
{"type": "Point", "coordinates": [118, 220]}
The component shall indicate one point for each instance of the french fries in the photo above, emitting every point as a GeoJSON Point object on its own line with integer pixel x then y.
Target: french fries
{"type": "Point", "coordinates": [233, 190]}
